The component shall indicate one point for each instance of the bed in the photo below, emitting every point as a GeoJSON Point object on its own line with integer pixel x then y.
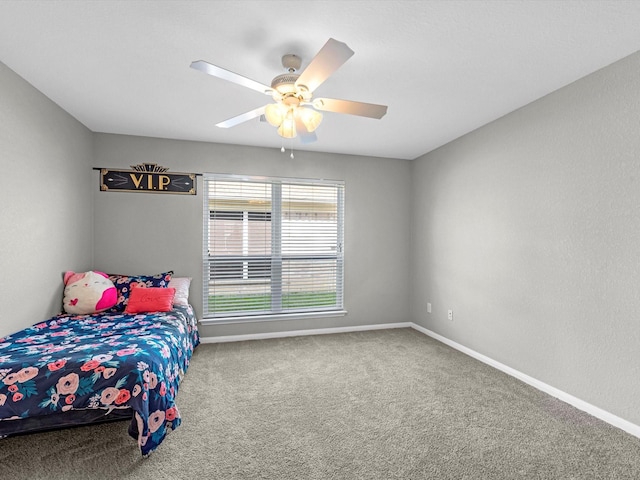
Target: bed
{"type": "Point", "coordinates": [83, 368]}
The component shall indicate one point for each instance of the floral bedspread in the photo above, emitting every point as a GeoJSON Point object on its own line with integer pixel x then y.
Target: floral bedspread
{"type": "Point", "coordinates": [101, 361]}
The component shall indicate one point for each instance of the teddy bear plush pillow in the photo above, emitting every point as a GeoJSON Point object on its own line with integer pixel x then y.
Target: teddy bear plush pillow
{"type": "Point", "coordinates": [88, 292]}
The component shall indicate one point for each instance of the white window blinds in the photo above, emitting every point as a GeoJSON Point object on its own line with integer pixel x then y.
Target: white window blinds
{"type": "Point", "coordinates": [272, 246]}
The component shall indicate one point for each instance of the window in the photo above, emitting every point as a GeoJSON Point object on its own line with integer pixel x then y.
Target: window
{"type": "Point", "coordinates": [272, 246]}
{"type": "Point", "coordinates": [229, 227]}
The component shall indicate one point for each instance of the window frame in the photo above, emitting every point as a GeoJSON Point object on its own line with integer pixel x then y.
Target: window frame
{"type": "Point", "coordinates": [275, 215]}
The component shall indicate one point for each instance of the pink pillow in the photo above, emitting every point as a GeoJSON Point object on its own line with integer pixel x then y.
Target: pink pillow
{"type": "Point", "coordinates": [151, 299]}
{"type": "Point", "coordinates": [88, 292]}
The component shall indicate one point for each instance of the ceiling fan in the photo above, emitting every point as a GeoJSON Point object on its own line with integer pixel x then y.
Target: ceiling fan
{"type": "Point", "coordinates": [295, 111]}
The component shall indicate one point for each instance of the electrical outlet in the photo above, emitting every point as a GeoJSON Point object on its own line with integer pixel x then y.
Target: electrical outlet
{"type": "Point", "coordinates": [428, 307]}
{"type": "Point", "coordinates": [450, 314]}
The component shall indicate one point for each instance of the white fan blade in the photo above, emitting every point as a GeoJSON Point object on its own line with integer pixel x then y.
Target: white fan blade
{"type": "Point", "coordinates": [330, 57]}
{"type": "Point", "coordinates": [232, 122]}
{"type": "Point", "coordinates": [370, 110]}
{"type": "Point", "coordinates": [305, 135]}
{"type": "Point", "coordinates": [230, 76]}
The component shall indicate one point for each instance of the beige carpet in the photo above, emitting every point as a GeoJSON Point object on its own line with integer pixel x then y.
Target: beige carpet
{"type": "Point", "coordinates": [371, 405]}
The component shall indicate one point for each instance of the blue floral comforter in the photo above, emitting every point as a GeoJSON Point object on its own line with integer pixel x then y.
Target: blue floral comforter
{"type": "Point", "coordinates": [102, 361]}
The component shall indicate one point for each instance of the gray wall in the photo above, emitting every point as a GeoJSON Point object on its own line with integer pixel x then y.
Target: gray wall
{"type": "Point", "coordinates": [529, 230]}
{"type": "Point", "coordinates": [144, 233]}
{"type": "Point", "coordinates": [45, 156]}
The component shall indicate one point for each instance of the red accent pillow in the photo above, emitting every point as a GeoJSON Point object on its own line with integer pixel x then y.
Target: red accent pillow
{"type": "Point", "coordinates": [151, 299]}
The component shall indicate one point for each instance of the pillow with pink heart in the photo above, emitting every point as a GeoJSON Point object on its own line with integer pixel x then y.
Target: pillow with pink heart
{"type": "Point", "coordinates": [88, 292]}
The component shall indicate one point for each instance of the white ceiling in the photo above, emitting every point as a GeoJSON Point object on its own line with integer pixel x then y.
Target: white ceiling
{"type": "Point", "coordinates": [444, 68]}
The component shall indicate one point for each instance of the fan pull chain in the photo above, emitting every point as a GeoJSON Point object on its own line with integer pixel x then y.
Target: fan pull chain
{"type": "Point", "coordinates": [282, 149]}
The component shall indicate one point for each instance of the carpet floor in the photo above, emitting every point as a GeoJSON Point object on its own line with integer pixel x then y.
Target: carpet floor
{"type": "Point", "coordinates": [368, 405]}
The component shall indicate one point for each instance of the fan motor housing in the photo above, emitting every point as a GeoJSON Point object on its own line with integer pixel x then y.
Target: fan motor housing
{"type": "Point", "coordinates": [286, 91]}
{"type": "Point", "coordinates": [285, 83]}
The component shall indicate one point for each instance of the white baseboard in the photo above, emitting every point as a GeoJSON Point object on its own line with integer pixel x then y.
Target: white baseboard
{"type": "Point", "coordinates": [597, 412]}
{"type": "Point", "coordinates": [298, 333]}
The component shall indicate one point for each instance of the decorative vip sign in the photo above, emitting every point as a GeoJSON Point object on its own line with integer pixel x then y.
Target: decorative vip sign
{"type": "Point", "coordinates": [147, 177]}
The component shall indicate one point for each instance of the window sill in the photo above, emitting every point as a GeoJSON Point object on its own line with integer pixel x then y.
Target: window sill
{"type": "Point", "coordinates": [270, 318]}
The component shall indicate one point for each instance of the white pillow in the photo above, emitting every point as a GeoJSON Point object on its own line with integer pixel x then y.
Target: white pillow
{"type": "Point", "coordinates": [181, 284]}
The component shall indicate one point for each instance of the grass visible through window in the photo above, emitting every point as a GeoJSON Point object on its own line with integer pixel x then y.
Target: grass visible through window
{"type": "Point", "coordinates": [240, 303]}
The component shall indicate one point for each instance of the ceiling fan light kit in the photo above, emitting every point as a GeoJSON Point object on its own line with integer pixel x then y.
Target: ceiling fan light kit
{"type": "Point", "coordinates": [294, 111]}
